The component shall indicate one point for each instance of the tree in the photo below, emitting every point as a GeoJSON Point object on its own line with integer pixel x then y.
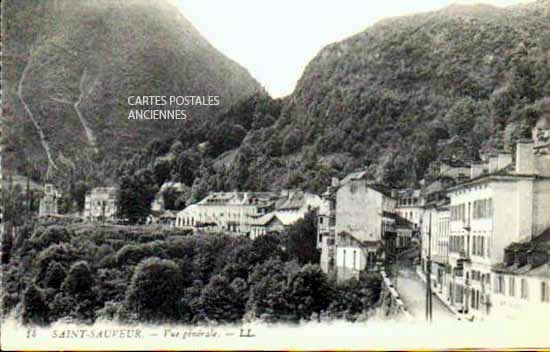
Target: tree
{"type": "Point", "coordinates": [302, 240]}
{"type": "Point", "coordinates": [308, 291]}
{"type": "Point", "coordinates": [220, 302]}
{"type": "Point", "coordinates": [155, 290]}
{"type": "Point", "coordinates": [263, 248]}
{"type": "Point", "coordinates": [79, 280]}
{"type": "Point", "coordinates": [162, 170]}
{"type": "Point", "coordinates": [35, 309]}
{"type": "Point", "coordinates": [268, 298]}
{"type": "Point", "coordinates": [55, 275]}
{"type": "Point", "coordinates": [135, 196]}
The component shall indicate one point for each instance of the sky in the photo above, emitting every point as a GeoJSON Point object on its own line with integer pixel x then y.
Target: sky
{"type": "Point", "coordinates": [275, 40]}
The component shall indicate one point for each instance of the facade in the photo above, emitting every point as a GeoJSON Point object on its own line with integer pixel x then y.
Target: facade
{"type": "Point", "coordinates": [454, 168]}
{"type": "Point", "coordinates": [247, 213]}
{"type": "Point", "coordinates": [49, 201]}
{"type": "Point", "coordinates": [410, 205]}
{"type": "Point", "coordinates": [101, 204]}
{"type": "Point", "coordinates": [326, 229]}
{"type": "Point", "coordinates": [521, 282]}
{"type": "Point", "coordinates": [435, 241]}
{"type": "Point", "coordinates": [270, 223]}
{"type": "Point", "coordinates": [364, 226]}
{"type": "Point", "coordinates": [510, 203]}
{"type": "Point", "coordinates": [404, 230]}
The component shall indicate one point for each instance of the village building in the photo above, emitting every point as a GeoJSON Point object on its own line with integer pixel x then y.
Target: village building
{"type": "Point", "coordinates": [289, 208]}
{"type": "Point", "coordinates": [247, 213]}
{"type": "Point", "coordinates": [326, 232]}
{"type": "Point", "coordinates": [364, 226]}
{"type": "Point", "coordinates": [541, 133]}
{"type": "Point", "coordinates": [409, 205]}
{"type": "Point", "coordinates": [521, 282]}
{"type": "Point", "coordinates": [510, 202]}
{"type": "Point", "coordinates": [435, 240]}
{"type": "Point", "coordinates": [49, 201]}
{"type": "Point", "coordinates": [231, 212]}
{"type": "Point", "coordinates": [101, 204]}
{"type": "Point", "coordinates": [405, 231]}
{"type": "Point", "coordinates": [454, 168]}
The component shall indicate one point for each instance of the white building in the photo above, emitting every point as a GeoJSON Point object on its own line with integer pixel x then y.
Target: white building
{"type": "Point", "coordinates": [364, 226]}
{"type": "Point", "coordinates": [521, 284]}
{"type": "Point", "coordinates": [101, 204]}
{"type": "Point", "coordinates": [248, 213]}
{"type": "Point", "coordinates": [326, 232]}
{"type": "Point", "coordinates": [509, 203]}
{"type": "Point", "coordinates": [49, 201]}
{"type": "Point", "coordinates": [410, 205]}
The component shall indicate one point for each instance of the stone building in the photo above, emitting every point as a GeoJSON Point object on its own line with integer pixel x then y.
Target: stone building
{"type": "Point", "coordinates": [101, 204]}
{"type": "Point", "coordinates": [49, 201]}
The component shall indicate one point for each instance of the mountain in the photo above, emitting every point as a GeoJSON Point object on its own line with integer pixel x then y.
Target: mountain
{"type": "Point", "coordinates": [70, 67]}
{"type": "Point", "coordinates": [406, 93]}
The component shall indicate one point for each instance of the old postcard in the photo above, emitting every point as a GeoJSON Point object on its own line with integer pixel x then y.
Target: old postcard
{"type": "Point", "coordinates": [239, 175]}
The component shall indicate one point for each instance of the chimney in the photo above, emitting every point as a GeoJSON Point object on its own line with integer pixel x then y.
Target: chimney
{"type": "Point", "coordinates": [476, 169]}
{"type": "Point", "coordinates": [504, 159]}
{"type": "Point", "coordinates": [493, 163]}
{"type": "Point", "coordinates": [335, 182]}
{"type": "Point", "coordinates": [525, 161]}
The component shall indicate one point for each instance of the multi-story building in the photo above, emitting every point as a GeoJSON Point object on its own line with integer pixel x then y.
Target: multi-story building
{"type": "Point", "coordinates": [247, 213]}
{"type": "Point", "coordinates": [409, 205]}
{"type": "Point", "coordinates": [49, 201]}
{"type": "Point", "coordinates": [326, 232]}
{"type": "Point", "coordinates": [101, 204]}
{"type": "Point", "coordinates": [364, 225]}
{"type": "Point", "coordinates": [435, 241]}
{"type": "Point", "coordinates": [508, 203]}
{"type": "Point", "coordinates": [455, 168]}
{"type": "Point", "coordinates": [405, 230]}
{"type": "Point", "coordinates": [521, 282]}
{"type": "Point", "coordinates": [291, 207]}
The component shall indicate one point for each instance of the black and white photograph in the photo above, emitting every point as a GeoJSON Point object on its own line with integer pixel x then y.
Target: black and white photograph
{"type": "Point", "coordinates": [274, 175]}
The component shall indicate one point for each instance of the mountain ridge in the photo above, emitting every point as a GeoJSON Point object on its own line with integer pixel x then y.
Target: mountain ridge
{"type": "Point", "coordinates": [77, 75]}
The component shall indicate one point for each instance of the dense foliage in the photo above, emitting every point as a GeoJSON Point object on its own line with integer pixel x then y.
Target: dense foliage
{"type": "Point", "coordinates": [129, 274]}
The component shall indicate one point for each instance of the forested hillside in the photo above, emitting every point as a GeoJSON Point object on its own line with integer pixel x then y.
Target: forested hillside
{"type": "Point", "coordinates": [70, 67]}
{"type": "Point", "coordinates": [395, 99]}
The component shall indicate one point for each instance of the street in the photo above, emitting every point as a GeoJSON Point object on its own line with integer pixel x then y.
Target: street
{"type": "Point", "coordinates": [412, 291]}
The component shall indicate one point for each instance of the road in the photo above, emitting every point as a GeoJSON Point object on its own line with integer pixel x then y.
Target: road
{"type": "Point", "coordinates": [412, 291]}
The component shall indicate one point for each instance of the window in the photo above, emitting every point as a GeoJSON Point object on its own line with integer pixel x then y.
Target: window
{"type": "Point", "coordinates": [544, 296]}
{"type": "Point", "coordinates": [512, 286]}
{"type": "Point", "coordinates": [524, 289]}
{"type": "Point", "coordinates": [344, 258]}
{"type": "Point", "coordinates": [354, 254]}
{"type": "Point", "coordinates": [499, 284]}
